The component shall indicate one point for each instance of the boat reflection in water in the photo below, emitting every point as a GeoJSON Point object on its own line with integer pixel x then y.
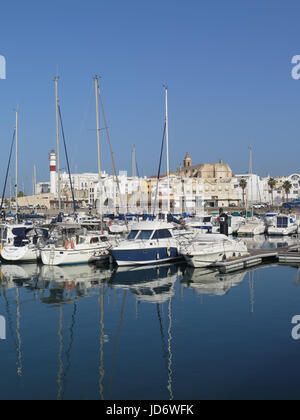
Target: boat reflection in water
{"type": "Point", "coordinates": [70, 277]}
{"type": "Point", "coordinates": [153, 284]}
{"type": "Point", "coordinates": [11, 275]}
{"type": "Point", "coordinates": [211, 282]}
{"type": "Point", "coordinates": [55, 284]}
{"type": "Point", "coordinates": [270, 242]}
{"type": "Point", "coordinates": [255, 242]}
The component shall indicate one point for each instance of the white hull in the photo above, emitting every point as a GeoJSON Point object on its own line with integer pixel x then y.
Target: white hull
{"type": "Point", "coordinates": [251, 229]}
{"type": "Point", "coordinates": [204, 252]}
{"type": "Point", "coordinates": [207, 260]}
{"type": "Point", "coordinates": [60, 256]}
{"type": "Point", "coordinates": [27, 253]}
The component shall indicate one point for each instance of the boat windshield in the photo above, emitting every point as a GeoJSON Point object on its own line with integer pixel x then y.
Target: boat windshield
{"type": "Point", "coordinates": [162, 234]}
{"type": "Point", "coordinates": [145, 234]}
{"type": "Point", "coordinates": [282, 222]}
{"type": "Point", "coordinates": [206, 219]}
{"type": "Point", "coordinates": [132, 235]}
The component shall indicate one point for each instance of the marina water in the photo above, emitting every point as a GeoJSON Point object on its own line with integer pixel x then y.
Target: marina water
{"type": "Point", "coordinates": [168, 332]}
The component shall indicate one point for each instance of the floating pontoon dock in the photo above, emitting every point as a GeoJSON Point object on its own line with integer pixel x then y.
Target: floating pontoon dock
{"type": "Point", "coordinates": [290, 254]}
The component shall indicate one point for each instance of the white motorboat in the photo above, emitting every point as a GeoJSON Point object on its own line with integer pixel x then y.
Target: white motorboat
{"type": "Point", "coordinates": [22, 244]}
{"type": "Point", "coordinates": [270, 219]}
{"type": "Point", "coordinates": [206, 223]}
{"type": "Point", "coordinates": [253, 226]}
{"type": "Point", "coordinates": [283, 225]}
{"type": "Point", "coordinates": [149, 242]}
{"type": "Point", "coordinates": [206, 250]}
{"type": "Point", "coordinates": [234, 223]}
{"type": "Point", "coordinates": [74, 247]}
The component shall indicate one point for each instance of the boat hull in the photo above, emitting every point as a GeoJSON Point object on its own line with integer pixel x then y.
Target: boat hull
{"type": "Point", "coordinates": [55, 257]}
{"type": "Point", "coordinates": [22, 254]}
{"type": "Point", "coordinates": [251, 230]}
{"type": "Point", "coordinates": [210, 259]}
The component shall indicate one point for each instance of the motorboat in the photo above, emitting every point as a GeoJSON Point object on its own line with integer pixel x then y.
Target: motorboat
{"type": "Point", "coordinates": [22, 243]}
{"type": "Point", "coordinates": [149, 242]}
{"type": "Point", "coordinates": [206, 250]}
{"type": "Point", "coordinates": [270, 218]}
{"type": "Point", "coordinates": [253, 226]}
{"type": "Point", "coordinates": [73, 246]}
{"type": "Point", "coordinates": [206, 223]}
{"type": "Point", "coordinates": [283, 225]}
{"type": "Point", "coordinates": [234, 223]}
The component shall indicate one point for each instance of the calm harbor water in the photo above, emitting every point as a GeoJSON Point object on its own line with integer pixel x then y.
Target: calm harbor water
{"type": "Point", "coordinates": [151, 333]}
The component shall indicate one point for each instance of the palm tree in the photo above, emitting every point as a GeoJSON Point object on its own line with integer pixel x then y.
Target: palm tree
{"type": "Point", "coordinates": [287, 188]}
{"type": "Point", "coordinates": [272, 184]}
{"type": "Point", "coordinates": [243, 185]}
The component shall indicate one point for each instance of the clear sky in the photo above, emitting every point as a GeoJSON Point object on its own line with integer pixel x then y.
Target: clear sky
{"type": "Point", "coordinates": [227, 65]}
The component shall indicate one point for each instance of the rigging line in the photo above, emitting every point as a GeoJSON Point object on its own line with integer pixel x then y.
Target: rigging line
{"type": "Point", "coordinates": [170, 360]}
{"type": "Point", "coordinates": [159, 167]}
{"type": "Point", "coordinates": [68, 351]}
{"type": "Point", "coordinates": [67, 158]}
{"type": "Point", "coordinates": [60, 354]}
{"type": "Point", "coordinates": [18, 332]}
{"type": "Point", "coordinates": [117, 341]}
{"type": "Point", "coordinates": [101, 368]}
{"type": "Point", "coordinates": [9, 318]}
{"type": "Point", "coordinates": [8, 167]}
{"type": "Point", "coordinates": [112, 155]}
{"type": "Point", "coordinates": [163, 340]}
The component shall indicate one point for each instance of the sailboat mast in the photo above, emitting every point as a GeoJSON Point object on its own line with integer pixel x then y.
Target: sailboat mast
{"type": "Point", "coordinates": [167, 147]}
{"type": "Point", "coordinates": [17, 121]}
{"type": "Point", "coordinates": [98, 142]}
{"type": "Point", "coordinates": [34, 184]}
{"type": "Point", "coordinates": [10, 192]}
{"type": "Point", "coordinates": [57, 143]}
{"type": "Point", "coordinates": [251, 180]}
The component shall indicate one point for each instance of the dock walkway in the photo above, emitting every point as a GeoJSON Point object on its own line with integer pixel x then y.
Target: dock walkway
{"type": "Point", "coordinates": [290, 254]}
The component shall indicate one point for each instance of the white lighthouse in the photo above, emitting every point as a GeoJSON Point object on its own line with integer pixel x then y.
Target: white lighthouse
{"type": "Point", "coordinates": [52, 159]}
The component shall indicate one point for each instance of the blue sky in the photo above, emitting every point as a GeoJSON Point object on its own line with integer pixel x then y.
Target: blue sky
{"type": "Point", "coordinates": [227, 65]}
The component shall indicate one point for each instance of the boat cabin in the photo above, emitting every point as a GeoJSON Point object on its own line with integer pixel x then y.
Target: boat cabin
{"type": "Point", "coordinates": [284, 221]}
{"type": "Point", "coordinates": [149, 234]}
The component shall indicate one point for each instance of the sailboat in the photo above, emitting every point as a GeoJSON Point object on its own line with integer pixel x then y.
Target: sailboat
{"type": "Point", "coordinates": [150, 242]}
{"type": "Point", "coordinates": [73, 245]}
{"type": "Point", "coordinates": [253, 225]}
{"type": "Point", "coordinates": [19, 240]}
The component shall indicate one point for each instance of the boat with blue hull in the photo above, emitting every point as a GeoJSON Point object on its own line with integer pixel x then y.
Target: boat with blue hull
{"type": "Point", "coordinates": [149, 242]}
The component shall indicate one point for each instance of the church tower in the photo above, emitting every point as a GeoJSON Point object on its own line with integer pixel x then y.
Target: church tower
{"type": "Point", "coordinates": [187, 162]}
